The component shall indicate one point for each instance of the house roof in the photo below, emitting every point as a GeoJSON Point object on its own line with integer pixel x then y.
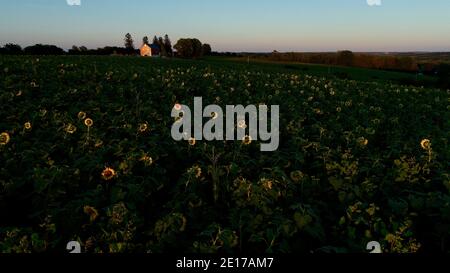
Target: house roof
{"type": "Point", "coordinates": [154, 46]}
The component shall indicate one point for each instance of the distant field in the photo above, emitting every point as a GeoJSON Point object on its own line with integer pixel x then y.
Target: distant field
{"type": "Point", "coordinates": [349, 73]}
{"type": "Point", "coordinates": [86, 154]}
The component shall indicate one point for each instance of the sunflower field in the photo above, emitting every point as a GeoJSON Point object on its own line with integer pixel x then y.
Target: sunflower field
{"type": "Point", "coordinates": [86, 155]}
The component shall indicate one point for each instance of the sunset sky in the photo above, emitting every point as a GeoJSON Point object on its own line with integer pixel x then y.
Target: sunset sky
{"type": "Point", "coordinates": [234, 25]}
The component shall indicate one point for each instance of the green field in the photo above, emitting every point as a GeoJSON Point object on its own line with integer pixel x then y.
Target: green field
{"type": "Point", "coordinates": [86, 154]}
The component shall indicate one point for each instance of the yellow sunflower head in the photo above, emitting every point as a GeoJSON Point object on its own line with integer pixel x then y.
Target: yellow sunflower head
{"type": "Point", "coordinates": [4, 138]}
{"type": "Point", "coordinates": [108, 174]}
{"type": "Point", "coordinates": [425, 144]}
{"type": "Point", "coordinates": [192, 141]}
{"type": "Point", "coordinates": [27, 126]}
{"type": "Point", "coordinates": [363, 142]}
{"type": "Point", "coordinates": [147, 160]}
{"type": "Point", "coordinates": [88, 122]}
{"type": "Point", "coordinates": [247, 140]}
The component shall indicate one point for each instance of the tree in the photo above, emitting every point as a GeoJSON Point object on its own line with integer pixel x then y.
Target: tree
{"type": "Point", "coordinates": [129, 43]}
{"type": "Point", "coordinates": [83, 49]}
{"type": "Point", "coordinates": [168, 45]}
{"type": "Point", "coordinates": [162, 47]}
{"type": "Point", "coordinates": [345, 58]}
{"type": "Point", "coordinates": [145, 40]}
{"type": "Point", "coordinates": [40, 49]}
{"type": "Point", "coordinates": [155, 40]}
{"type": "Point", "coordinates": [206, 50]}
{"type": "Point", "coordinates": [12, 49]}
{"type": "Point", "coordinates": [189, 48]}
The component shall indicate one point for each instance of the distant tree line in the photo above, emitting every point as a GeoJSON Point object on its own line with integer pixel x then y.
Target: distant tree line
{"type": "Point", "coordinates": [185, 48]}
{"type": "Point", "coordinates": [347, 58]}
{"type": "Point", "coordinates": [39, 49]}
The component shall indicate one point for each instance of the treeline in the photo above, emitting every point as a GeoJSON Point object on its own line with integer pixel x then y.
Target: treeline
{"type": "Point", "coordinates": [347, 58]}
{"type": "Point", "coordinates": [184, 48]}
{"type": "Point", "coordinates": [39, 49]}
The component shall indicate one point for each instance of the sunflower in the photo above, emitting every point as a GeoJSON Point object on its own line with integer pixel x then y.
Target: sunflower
{"type": "Point", "coordinates": [247, 140]}
{"type": "Point", "coordinates": [177, 107]}
{"type": "Point", "coordinates": [108, 174]}
{"type": "Point", "coordinates": [81, 115]}
{"type": "Point", "coordinates": [91, 212]}
{"type": "Point", "coordinates": [71, 129]}
{"type": "Point", "coordinates": [195, 171]}
{"type": "Point", "coordinates": [242, 124]}
{"type": "Point", "coordinates": [148, 161]}
{"type": "Point", "coordinates": [192, 141]}
{"type": "Point", "coordinates": [425, 144]}
{"type": "Point", "coordinates": [362, 141]}
{"type": "Point", "coordinates": [297, 176]}
{"type": "Point", "coordinates": [88, 122]}
{"type": "Point", "coordinates": [143, 127]}
{"type": "Point", "coordinates": [27, 126]}
{"type": "Point", "coordinates": [4, 138]}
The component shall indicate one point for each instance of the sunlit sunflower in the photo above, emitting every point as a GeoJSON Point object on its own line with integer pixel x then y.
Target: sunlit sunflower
{"type": "Point", "coordinates": [88, 122]}
{"type": "Point", "coordinates": [247, 140]}
{"type": "Point", "coordinates": [71, 129]}
{"type": "Point", "coordinates": [143, 127]}
{"type": "Point", "coordinates": [192, 141]}
{"type": "Point", "coordinates": [147, 160]}
{"type": "Point", "coordinates": [108, 174]}
{"type": "Point", "coordinates": [362, 141]}
{"type": "Point", "coordinates": [91, 212]}
{"type": "Point", "coordinates": [81, 115]}
{"type": "Point", "coordinates": [4, 138]}
{"type": "Point", "coordinates": [425, 144]}
{"type": "Point", "coordinates": [27, 126]}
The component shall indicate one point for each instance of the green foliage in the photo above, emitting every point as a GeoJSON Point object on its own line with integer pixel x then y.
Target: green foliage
{"type": "Point", "coordinates": [189, 48]}
{"type": "Point", "coordinates": [351, 168]}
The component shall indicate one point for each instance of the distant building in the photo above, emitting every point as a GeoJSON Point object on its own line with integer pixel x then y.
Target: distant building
{"type": "Point", "coordinates": [150, 50]}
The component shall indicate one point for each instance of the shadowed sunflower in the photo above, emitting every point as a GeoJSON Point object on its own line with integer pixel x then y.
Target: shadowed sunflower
{"type": "Point", "coordinates": [4, 138]}
{"type": "Point", "coordinates": [81, 115]}
{"type": "Point", "coordinates": [143, 127]}
{"type": "Point", "coordinates": [108, 174]}
{"type": "Point", "coordinates": [71, 129]}
{"type": "Point", "coordinates": [297, 176]}
{"type": "Point", "coordinates": [91, 212]}
{"type": "Point", "coordinates": [363, 142]}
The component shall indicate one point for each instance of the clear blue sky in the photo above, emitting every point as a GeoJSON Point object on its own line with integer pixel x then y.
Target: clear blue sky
{"type": "Point", "coordinates": [234, 25]}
